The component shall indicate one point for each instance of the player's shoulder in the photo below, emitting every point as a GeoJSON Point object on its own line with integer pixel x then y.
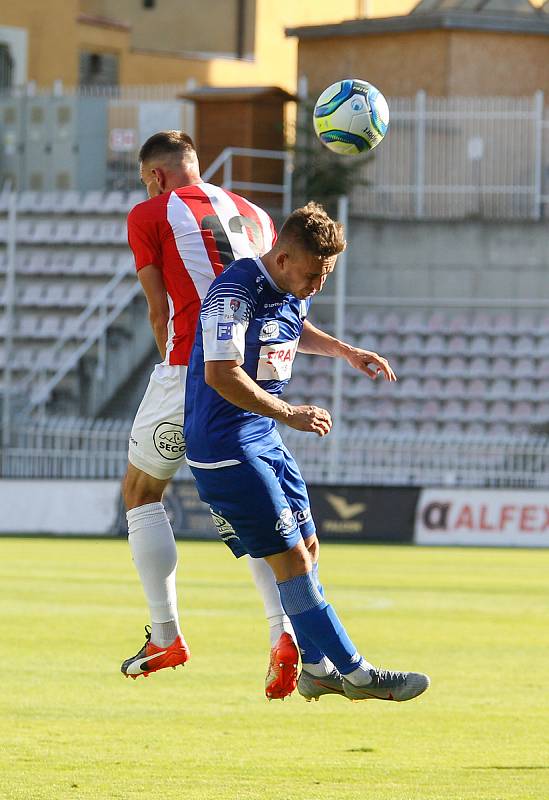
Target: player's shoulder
{"type": "Point", "coordinates": [151, 209]}
{"type": "Point", "coordinates": [241, 275]}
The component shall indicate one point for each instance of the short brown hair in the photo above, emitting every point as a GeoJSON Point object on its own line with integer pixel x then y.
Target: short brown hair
{"type": "Point", "coordinates": [167, 143]}
{"type": "Point", "coordinates": [312, 228]}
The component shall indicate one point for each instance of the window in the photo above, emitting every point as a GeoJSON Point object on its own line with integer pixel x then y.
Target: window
{"type": "Point", "coordinates": [6, 67]}
{"type": "Point", "coordinates": [98, 69]}
{"type": "Point", "coordinates": [149, 3]}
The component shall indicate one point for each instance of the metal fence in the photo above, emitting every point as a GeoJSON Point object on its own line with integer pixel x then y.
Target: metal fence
{"type": "Point", "coordinates": [459, 157]}
{"type": "Point", "coordinates": [443, 158]}
{"type": "Point", "coordinates": [66, 448]}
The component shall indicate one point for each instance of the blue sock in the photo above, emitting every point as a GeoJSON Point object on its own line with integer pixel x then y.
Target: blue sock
{"type": "Point", "coordinates": [310, 653]}
{"type": "Point", "coordinates": [314, 619]}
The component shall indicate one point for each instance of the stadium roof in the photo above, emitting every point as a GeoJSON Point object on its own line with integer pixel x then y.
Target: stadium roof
{"type": "Point", "coordinates": [216, 93]}
{"type": "Point", "coordinates": [477, 6]}
{"type": "Point", "coordinates": [507, 16]}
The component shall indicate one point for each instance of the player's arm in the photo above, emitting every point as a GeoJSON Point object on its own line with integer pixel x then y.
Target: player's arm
{"type": "Point", "coordinates": [317, 342]}
{"type": "Point", "coordinates": [152, 282]}
{"type": "Point", "coordinates": [234, 385]}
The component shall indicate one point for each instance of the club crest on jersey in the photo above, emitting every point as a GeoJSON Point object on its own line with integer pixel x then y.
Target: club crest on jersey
{"type": "Point", "coordinates": [269, 330]}
{"type": "Point", "coordinates": [233, 309]}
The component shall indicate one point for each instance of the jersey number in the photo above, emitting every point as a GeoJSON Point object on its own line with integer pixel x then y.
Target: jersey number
{"type": "Point", "coordinates": [237, 224]}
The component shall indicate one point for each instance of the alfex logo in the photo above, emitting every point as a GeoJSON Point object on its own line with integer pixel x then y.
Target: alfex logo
{"type": "Point", "coordinates": [168, 440]}
{"type": "Point", "coordinates": [489, 517]}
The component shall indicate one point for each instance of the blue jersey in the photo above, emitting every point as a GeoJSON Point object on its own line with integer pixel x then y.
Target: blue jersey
{"type": "Point", "coordinates": [245, 318]}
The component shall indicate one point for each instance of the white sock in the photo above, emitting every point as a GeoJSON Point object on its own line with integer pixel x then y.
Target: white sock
{"type": "Point", "coordinates": [265, 581]}
{"type": "Point", "coordinates": [154, 554]}
{"type": "Point", "coordinates": [361, 675]}
{"type": "Point", "coordinates": [320, 670]}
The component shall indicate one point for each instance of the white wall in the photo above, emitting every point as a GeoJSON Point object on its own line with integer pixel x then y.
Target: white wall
{"type": "Point", "coordinates": [58, 507]}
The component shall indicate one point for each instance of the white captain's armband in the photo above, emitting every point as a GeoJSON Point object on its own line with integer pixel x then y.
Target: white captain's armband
{"type": "Point", "coordinates": [275, 361]}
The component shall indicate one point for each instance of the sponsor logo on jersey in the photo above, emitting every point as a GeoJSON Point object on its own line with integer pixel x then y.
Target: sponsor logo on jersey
{"type": "Point", "coordinates": [302, 516]}
{"type": "Point", "coordinates": [224, 331]}
{"type": "Point", "coordinates": [275, 361]}
{"type": "Point", "coordinates": [286, 522]}
{"type": "Point", "coordinates": [269, 330]}
{"type": "Point", "coordinates": [169, 441]}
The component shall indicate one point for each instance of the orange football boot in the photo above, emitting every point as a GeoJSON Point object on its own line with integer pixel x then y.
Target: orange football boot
{"type": "Point", "coordinates": [151, 658]}
{"type": "Point", "coordinates": [281, 678]}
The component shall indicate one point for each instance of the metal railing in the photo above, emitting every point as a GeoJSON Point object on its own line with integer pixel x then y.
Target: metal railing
{"type": "Point", "coordinates": [226, 159]}
{"type": "Point", "coordinates": [106, 315]}
{"type": "Point", "coordinates": [75, 448]}
{"type": "Point", "coordinates": [398, 459]}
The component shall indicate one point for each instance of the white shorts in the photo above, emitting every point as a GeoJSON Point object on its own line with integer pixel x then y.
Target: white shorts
{"type": "Point", "coordinates": [156, 445]}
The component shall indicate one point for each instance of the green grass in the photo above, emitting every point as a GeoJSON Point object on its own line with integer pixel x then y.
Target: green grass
{"type": "Point", "coordinates": [72, 727]}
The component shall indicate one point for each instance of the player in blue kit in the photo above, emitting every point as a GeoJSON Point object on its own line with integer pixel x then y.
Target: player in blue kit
{"type": "Point", "coordinates": [252, 323]}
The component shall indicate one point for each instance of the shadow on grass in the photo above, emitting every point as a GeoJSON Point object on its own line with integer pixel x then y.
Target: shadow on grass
{"type": "Point", "coordinates": [502, 767]}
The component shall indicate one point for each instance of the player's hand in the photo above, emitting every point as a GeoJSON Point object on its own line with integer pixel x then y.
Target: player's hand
{"type": "Point", "coordinates": [311, 419]}
{"type": "Point", "coordinates": [370, 363]}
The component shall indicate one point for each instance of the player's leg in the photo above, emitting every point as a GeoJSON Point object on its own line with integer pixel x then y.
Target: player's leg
{"type": "Point", "coordinates": [265, 582]}
{"type": "Point", "coordinates": [313, 617]}
{"type": "Point", "coordinates": [314, 662]}
{"type": "Point", "coordinates": [156, 451]}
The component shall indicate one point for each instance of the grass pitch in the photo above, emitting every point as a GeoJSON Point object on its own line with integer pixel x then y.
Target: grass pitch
{"type": "Point", "coordinates": [72, 727]}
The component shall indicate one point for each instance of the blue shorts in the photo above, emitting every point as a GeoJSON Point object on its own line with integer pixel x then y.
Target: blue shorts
{"type": "Point", "coordinates": [260, 506]}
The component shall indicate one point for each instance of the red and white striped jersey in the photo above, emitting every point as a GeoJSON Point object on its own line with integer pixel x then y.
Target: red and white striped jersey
{"type": "Point", "coordinates": [191, 234]}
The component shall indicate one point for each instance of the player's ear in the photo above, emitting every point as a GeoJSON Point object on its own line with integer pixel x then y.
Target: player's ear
{"type": "Point", "coordinates": [160, 176]}
{"type": "Point", "coordinates": [281, 259]}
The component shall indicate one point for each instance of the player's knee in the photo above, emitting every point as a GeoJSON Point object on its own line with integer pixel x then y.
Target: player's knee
{"type": "Point", "coordinates": [313, 547]}
{"type": "Point", "coordinates": [138, 491]}
{"type": "Point", "coordinates": [300, 560]}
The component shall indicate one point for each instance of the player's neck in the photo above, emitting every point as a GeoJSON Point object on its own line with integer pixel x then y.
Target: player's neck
{"type": "Point", "coordinates": [271, 268]}
{"type": "Point", "coordinates": [181, 180]}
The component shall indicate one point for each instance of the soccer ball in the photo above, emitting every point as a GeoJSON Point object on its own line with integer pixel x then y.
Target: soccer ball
{"type": "Point", "coordinates": [351, 117]}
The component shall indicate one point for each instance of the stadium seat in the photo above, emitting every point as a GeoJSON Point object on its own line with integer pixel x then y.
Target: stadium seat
{"type": "Point", "coordinates": [115, 202]}
{"type": "Point", "coordinates": [434, 366]}
{"type": "Point", "coordinates": [480, 346]}
{"type": "Point", "coordinates": [435, 345]}
{"type": "Point", "coordinates": [542, 346]}
{"type": "Point", "coordinates": [437, 323]}
{"type": "Point", "coordinates": [414, 323]}
{"type": "Point", "coordinates": [482, 323]}
{"type": "Point", "coordinates": [523, 346]}
{"type": "Point", "coordinates": [458, 345]}
{"type": "Point", "coordinates": [455, 388]}
{"type": "Point", "coordinates": [92, 202]}
{"type": "Point", "coordinates": [499, 389]}
{"type": "Point", "coordinates": [459, 324]}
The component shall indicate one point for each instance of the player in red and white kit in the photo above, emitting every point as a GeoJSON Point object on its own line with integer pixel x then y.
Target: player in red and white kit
{"type": "Point", "coordinates": [182, 237]}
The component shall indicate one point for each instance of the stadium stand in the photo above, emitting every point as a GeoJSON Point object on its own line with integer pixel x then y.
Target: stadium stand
{"type": "Point", "coordinates": [468, 373]}
{"type": "Point", "coordinates": [470, 381]}
{"type": "Point", "coordinates": [76, 297]}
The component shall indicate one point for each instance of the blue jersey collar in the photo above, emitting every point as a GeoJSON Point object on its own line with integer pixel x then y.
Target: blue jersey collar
{"type": "Point", "coordinates": [272, 284]}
